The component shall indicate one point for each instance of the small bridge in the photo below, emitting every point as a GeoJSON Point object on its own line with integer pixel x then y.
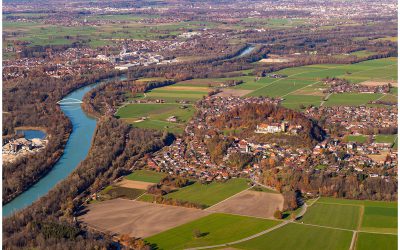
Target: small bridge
{"type": "Point", "coordinates": [69, 101]}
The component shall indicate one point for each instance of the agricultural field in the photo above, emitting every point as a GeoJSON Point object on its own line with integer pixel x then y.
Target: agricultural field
{"type": "Point", "coordinates": [209, 194]}
{"type": "Point", "coordinates": [297, 236]}
{"type": "Point", "coordinates": [351, 99]}
{"type": "Point", "coordinates": [368, 241]}
{"type": "Point", "coordinates": [251, 203]}
{"type": "Point", "coordinates": [212, 229]}
{"type": "Point", "coordinates": [376, 216]}
{"type": "Point", "coordinates": [386, 138]}
{"type": "Point", "coordinates": [356, 138]}
{"type": "Point", "coordinates": [333, 215]}
{"type": "Point", "coordinates": [156, 115]}
{"type": "Point", "coordinates": [173, 94]}
{"type": "Point", "coordinates": [137, 219]}
{"type": "Point", "coordinates": [146, 176]}
{"type": "Point", "coordinates": [303, 85]}
{"type": "Point", "coordinates": [116, 191]}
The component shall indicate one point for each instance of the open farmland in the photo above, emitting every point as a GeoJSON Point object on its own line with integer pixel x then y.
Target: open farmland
{"type": "Point", "coordinates": [137, 219]}
{"type": "Point", "coordinates": [368, 241]}
{"type": "Point", "coordinates": [302, 86]}
{"type": "Point", "coordinates": [351, 99]}
{"type": "Point", "coordinates": [146, 176]}
{"type": "Point", "coordinates": [356, 138]}
{"type": "Point", "coordinates": [375, 217]}
{"type": "Point", "coordinates": [176, 93]}
{"type": "Point", "coordinates": [333, 215]}
{"type": "Point", "coordinates": [251, 203]}
{"type": "Point", "coordinates": [156, 115]}
{"type": "Point", "coordinates": [209, 194]}
{"type": "Point", "coordinates": [297, 236]}
{"type": "Point", "coordinates": [215, 229]}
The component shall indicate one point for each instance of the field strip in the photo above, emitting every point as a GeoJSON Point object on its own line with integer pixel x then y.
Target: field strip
{"type": "Point", "coordinates": [313, 225]}
{"type": "Point", "coordinates": [280, 79]}
{"type": "Point", "coordinates": [353, 241]}
{"type": "Point", "coordinates": [300, 88]}
{"type": "Point", "coordinates": [229, 198]}
{"type": "Point", "coordinates": [251, 216]}
{"type": "Point", "coordinates": [244, 239]}
{"type": "Point", "coordinates": [140, 196]}
{"type": "Point", "coordinates": [361, 217]}
{"type": "Point", "coordinates": [374, 68]}
{"type": "Point", "coordinates": [165, 205]}
{"type": "Point", "coordinates": [335, 203]}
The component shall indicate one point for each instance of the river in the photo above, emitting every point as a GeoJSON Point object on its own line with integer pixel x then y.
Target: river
{"type": "Point", "coordinates": [246, 51]}
{"type": "Point", "coordinates": [75, 151]}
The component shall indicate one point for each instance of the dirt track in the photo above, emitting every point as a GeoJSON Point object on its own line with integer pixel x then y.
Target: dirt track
{"type": "Point", "coordinates": [251, 203]}
{"type": "Point", "coordinates": [138, 219]}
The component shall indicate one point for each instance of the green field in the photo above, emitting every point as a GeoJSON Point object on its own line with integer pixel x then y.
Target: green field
{"type": "Point", "coordinates": [156, 115]}
{"type": "Point", "coordinates": [385, 138]}
{"type": "Point", "coordinates": [146, 176]}
{"type": "Point", "coordinates": [351, 99]}
{"type": "Point", "coordinates": [297, 236]}
{"type": "Point", "coordinates": [303, 85]}
{"type": "Point", "coordinates": [209, 194]}
{"type": "Point", "coordinates": [176, 93]}
{"type": "Point", "coordinates": [380, 219]}
{"type": "Point", "coordinates": [216, 229]}
{"type": "Point", "coordinates": [368, 241]}
{"type": "Point", "coordinates": [112, 192]}
{"type": "Point", "coordinates": [332, 215]}
{"type": "Point", "coordinates": [377, 216]}
{"type": "Point", "coordinates": [356, 138]}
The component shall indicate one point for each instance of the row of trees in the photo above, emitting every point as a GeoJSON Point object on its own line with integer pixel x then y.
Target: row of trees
{"type": "Point", "coordinates": [330, 184]}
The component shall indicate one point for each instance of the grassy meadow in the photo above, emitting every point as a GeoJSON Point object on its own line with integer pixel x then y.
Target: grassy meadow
{"type": "Point", "coordinates": [214, 229]}
{"type": "Point", "coordinates": [209, 194]}
{"type": "Point", "coordinates": [146, 176]}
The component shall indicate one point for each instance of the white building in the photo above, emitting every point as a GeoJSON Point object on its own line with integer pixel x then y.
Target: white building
{"type": "Point", "coordinates": [271, 128]}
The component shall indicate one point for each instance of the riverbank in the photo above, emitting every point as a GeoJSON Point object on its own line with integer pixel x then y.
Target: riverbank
{"type": "Point", "coordinates": [55, 141]}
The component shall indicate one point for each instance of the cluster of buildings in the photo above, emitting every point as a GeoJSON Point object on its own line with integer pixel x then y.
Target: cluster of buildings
{"type": "Point", "coordinates": [272, 128]}
{"type": "Point", "coordinates": [360, 119]}
{"type": "Point", "coordinates": [343, 86]}
{"type": "Point", "coordinates": [189, 156]}
{"type": "Point", "coordinates": [21, 146]}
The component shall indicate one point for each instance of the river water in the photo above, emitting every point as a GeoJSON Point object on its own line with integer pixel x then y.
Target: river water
{"type": "Point", "coordinates": [75, 151]}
